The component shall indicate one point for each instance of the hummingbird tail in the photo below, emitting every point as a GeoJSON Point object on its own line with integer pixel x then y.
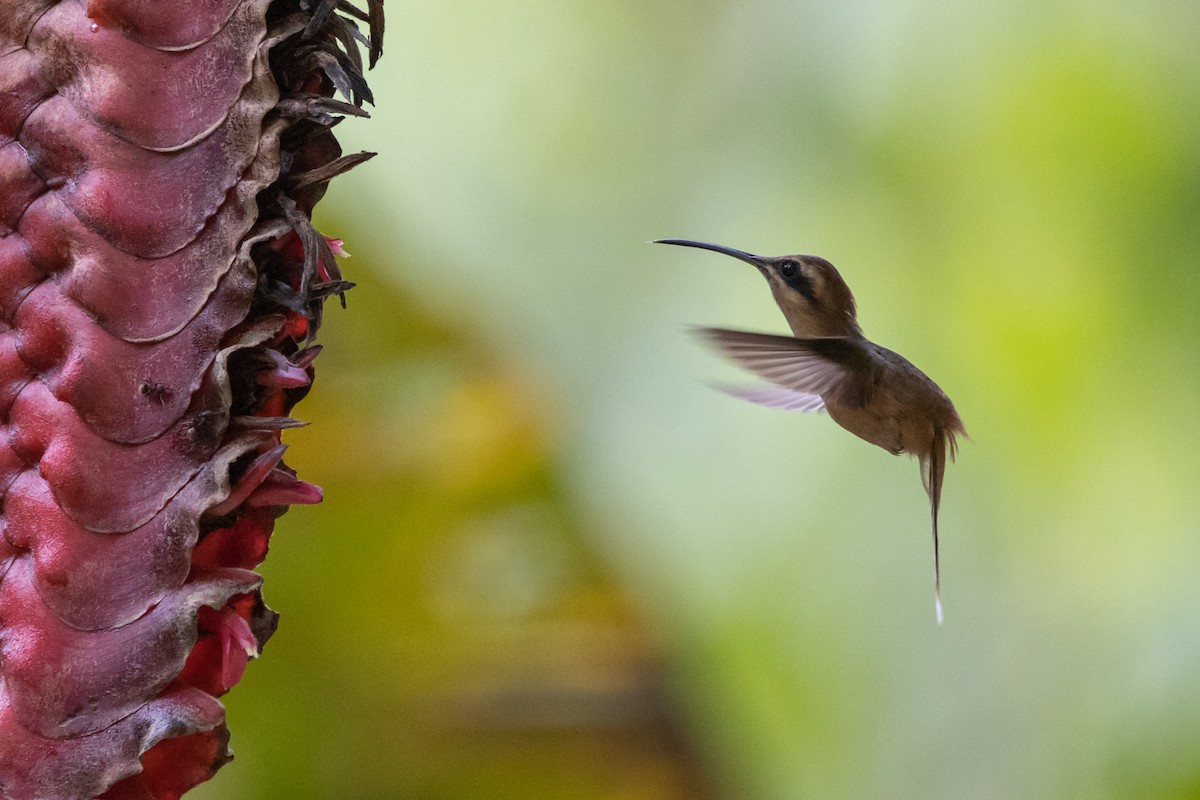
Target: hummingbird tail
{"type": "Point", "coordinates": [933, 469]}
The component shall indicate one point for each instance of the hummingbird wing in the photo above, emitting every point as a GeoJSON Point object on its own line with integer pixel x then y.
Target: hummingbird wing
{"type": "Point", "coordinates": [834, 368]}
{"type": "Point", "coordinates": [780, 397]}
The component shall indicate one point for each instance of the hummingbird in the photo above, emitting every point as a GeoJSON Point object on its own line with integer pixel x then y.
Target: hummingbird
{"type": "Point", "coordinates": [829, 365]}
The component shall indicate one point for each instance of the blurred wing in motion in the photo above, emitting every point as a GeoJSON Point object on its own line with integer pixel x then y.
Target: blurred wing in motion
{"type": "Point", "coordinates": [779, 397]}
{"type": "Point", "coordinates": [829, 367]}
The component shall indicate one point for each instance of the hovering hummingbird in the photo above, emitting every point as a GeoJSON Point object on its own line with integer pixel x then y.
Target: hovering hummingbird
{"type": "Point", "coordinates": [828, 365]}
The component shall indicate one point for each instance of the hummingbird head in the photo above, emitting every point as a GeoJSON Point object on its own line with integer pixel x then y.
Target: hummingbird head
{"type": "Point", "coordinates": [808, 289]}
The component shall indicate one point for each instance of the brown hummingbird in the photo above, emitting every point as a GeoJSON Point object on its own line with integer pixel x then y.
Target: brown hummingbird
{"type": "Point", "coordinates": [828, 365]}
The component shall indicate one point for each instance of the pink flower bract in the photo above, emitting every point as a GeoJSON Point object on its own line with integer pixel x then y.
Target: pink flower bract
{"type": "Point", "coordinates": [160, 284]}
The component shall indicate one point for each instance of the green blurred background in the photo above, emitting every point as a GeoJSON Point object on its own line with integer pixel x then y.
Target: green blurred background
{"type": "Point", "coordinates": [553, 564]}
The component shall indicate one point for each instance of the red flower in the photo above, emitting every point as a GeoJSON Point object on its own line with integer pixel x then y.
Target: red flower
{"type": "Point", "coordinates": [160, 284]}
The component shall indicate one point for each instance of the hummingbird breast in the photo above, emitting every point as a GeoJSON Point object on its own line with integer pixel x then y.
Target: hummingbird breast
{"type": "Point", "coordinates": [904, 409]}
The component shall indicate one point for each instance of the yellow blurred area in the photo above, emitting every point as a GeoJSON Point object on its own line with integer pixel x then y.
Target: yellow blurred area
{"type": "Point", "coordinates": [552, 563]}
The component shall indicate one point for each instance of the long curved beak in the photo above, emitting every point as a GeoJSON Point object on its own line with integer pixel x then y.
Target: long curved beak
{"type": "Point", "coordinates": [749, 258]}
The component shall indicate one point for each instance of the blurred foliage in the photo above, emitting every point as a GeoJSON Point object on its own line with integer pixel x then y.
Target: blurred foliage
{"type": "Point", "coordinates": [551, 563]}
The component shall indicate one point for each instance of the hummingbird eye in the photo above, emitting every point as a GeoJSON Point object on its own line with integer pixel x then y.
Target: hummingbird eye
{"type": "Point", "coordinates": [794, 276]}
